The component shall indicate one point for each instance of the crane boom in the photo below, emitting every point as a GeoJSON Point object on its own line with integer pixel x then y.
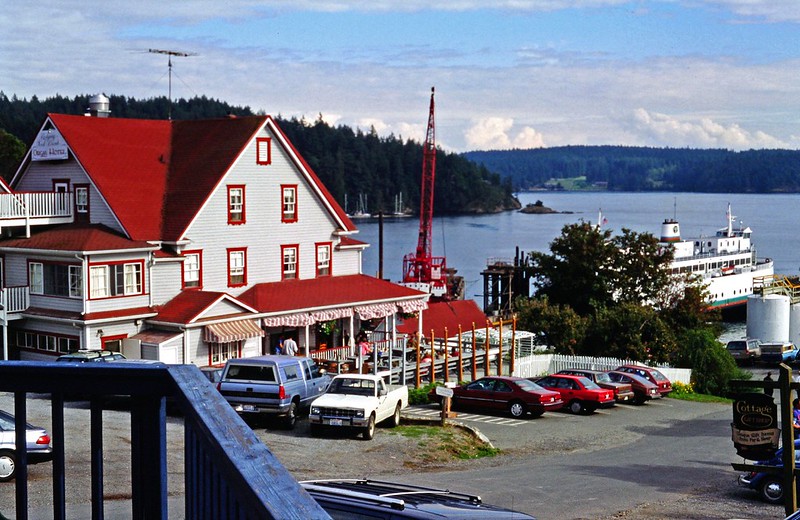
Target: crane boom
{"type": "Point", "coordinates": [421, 269]}
{"type": "Point", "coordinates": [426, 190]}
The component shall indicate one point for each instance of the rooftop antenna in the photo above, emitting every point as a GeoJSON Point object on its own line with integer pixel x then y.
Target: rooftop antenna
{"type": "Point", "coordinates": [170, 54]}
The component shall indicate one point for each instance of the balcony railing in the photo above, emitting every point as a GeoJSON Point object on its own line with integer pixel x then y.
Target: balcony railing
{"type": "Point", "coordinates": [35, 205]}
{"type": "Point", "coordinates": [14, 299]}
{"type": "Point", "coordinates": [229, 473]}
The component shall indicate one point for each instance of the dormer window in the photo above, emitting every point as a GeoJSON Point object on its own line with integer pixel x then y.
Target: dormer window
{"type": "Point", "coordinates": [236, 213]}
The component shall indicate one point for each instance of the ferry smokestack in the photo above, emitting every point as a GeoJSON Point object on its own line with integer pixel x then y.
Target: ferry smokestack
{"type": "Point", "coordinates": [670, 231]}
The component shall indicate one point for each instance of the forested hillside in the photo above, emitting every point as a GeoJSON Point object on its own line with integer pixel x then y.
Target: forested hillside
{"type": "Point", "coordinates": [349, 162]}
{"type": "Point", "coordinates": [622, 168]}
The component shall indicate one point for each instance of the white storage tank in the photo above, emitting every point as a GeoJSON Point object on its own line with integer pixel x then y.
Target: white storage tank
{"type": "Point", "coordinates": [794, 323]}
{"type": "Point", "coordinates": [768, 317]}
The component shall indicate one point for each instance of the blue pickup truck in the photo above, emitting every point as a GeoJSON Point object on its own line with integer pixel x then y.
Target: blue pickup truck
{"type": "Point", "coordinates": [277, 385]}
{"type": "Point", "coordinates": [778, 352]}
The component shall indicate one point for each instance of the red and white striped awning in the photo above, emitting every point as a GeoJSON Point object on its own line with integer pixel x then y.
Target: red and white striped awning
{"type": "Point", "coordinates": [231, 331]}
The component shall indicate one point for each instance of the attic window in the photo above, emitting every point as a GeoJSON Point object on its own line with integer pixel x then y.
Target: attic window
{"type": "Point", "coordinates": [264, 150]}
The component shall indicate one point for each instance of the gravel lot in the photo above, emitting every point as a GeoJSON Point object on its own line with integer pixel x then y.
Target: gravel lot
{"type": "Point", "coordinates": [307, 457]}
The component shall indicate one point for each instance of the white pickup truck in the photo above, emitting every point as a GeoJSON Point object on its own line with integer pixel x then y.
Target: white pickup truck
{"type": "Point", "coordinates": [358, 401]}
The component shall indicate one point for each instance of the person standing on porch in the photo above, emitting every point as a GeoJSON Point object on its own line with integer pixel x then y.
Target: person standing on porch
{"type": "Point", "coordinates": [290, 347]}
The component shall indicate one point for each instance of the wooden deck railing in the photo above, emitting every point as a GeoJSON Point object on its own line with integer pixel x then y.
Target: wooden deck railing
{"type": "Point", "coordinates": [35, 205]}
{"type": "Point", "coordinates": [15, 299]}
{"type": "Point", "coordinates": [229, 472]}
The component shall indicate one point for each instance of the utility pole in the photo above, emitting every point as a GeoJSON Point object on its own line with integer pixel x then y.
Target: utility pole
{"type": "Point", "coordinates": [170, 54]}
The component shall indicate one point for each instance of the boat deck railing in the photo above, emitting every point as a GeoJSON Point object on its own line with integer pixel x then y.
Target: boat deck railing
{"type": "Point", "coordinates": [777, 284]}
{"type": "Point", "coordinates": [228, 472]}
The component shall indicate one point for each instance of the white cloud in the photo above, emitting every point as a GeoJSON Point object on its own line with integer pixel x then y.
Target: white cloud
{"type": "Point", "coordinates": [701, 133]}
{"type": "Point", "coordinates": [493, 133]}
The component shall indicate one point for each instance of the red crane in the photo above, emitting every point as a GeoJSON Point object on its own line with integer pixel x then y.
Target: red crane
{"type": "Point", "coordinates": [421, 269]}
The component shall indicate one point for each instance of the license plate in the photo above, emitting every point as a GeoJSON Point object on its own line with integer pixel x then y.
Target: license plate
{"type": "Point", "coordinates": [248, 408]}
{"type": "Point", "coordinates": [336, 422]}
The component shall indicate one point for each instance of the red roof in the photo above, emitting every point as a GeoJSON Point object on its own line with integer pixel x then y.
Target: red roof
{"type": "Point", "coordinates": [169, 167]}
{"type": "Point", "coordinates": [187, 306]}
{"type": "Point", "coordinates": [77, 237]}
{"type": "Point", "coordinates": [327, 291]}
{"type": "Point", "coordinates": [347, 241]}
{"type": "Point", "coordinates": [446, 314]}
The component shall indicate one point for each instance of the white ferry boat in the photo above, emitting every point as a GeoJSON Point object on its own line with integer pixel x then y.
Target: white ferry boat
{"type": "Point", "coordinates": [726, 262]}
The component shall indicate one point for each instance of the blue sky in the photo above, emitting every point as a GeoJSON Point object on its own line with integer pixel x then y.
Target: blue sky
{"type": "Point", "coordinates": [521, 73]}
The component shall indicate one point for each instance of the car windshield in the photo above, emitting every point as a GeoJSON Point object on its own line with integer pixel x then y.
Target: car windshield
{"type": "Point", "coordinates": [589, 384]}
{"type": "Point", "coordinates": [658, 376]}
{"type": "Point", "coordinates": [352, 386]}
{"type": "Point", "coordinates": [604, 378]}
{"type": "Point", "coordinates": [529, 386]}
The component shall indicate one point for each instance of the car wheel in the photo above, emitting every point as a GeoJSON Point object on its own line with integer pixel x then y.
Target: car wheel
{"type": "Point", "coordinates": [394, 420]}
{"type": "Point", "coordinates": [517, 409]}
{"type": "Point", "coordinates": [771, 490]}
{"type": "Point", "coordinates": [576, 406]}
{"type": "Point", "coordinates": [8, 466]}
{"type": "Point", "coordinates": [291, 416]}
{"type": "Point", "coordinates": [369, 431]}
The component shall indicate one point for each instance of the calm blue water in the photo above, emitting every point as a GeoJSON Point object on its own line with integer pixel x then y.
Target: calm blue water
{"type": "Point", "coordinates": [469, 241]}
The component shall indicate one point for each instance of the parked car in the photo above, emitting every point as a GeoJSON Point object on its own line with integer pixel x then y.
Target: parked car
{"type": "Point", "coordinates": [770, 486]}
{"type": "Point", "coordinates": [276, 385]}
{"type": "Point", "coordinates": [37, 442]}
{"type": "Point", "coordinates": [778, 352]}
{"type": "Point", "coordinates": [623, 392]}
{"type": "Point", "coordinates": [744, 350]}
{"type": "Point", "coordinates": [375, 499]}
{"type": "Point", "coordinates": [643, 389]}
{"type": "Point", "coordinates": [579, 393]}
{"type": "Point", "coordinates": [213, 373]}
{"type": "Point", "coordinates": [516, 395]}
{"type": "Point", "coordinates": [651, 374]}
{"type": "Point", "coordinates": [90, 356]}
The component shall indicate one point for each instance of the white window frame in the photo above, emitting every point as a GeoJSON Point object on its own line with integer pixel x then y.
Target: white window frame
{"type": "Point", "coordinates": [36, 277]}
{"type": "Point", "coordinates": [236, 267]}
{"type": "Point", "coordinates": [289, 263]}
{"type": "Point", "coordinates": [191, 270]}
{"type": "Point", "coordinates": [289, 196]}
{"type": "Point", "coordinates": [323, 260]}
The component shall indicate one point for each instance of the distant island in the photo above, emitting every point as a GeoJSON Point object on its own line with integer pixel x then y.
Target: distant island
{"type": "Point", "coordinates": [538, 208]}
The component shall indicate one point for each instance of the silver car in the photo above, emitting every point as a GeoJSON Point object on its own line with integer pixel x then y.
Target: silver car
{"type": "Point", "coordinates": [40, 448]}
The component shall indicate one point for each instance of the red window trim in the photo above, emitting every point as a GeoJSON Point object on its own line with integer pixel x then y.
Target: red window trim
{"type": "Point", "coordinates": [84, 214]}
{"type": "Point", "coordinates": [98, 264]}
{"type": "Point", "coordinates": [244, 204]}
{"type": "Point", "coordinates": [262, 141]}
{"type": "Point", "coordinates": [330, 257]}
{"type": "Point", "coordinates": [232, 250]}
{"type": "Point", "coordinates": [296, 247]}
{"type": "Point", "coordinates": [116, 337]}
{"type": "Point", "coordinates": [198, 252]}
{"type": "Point", "coordinates": [283, 218]}
{"type": "Point", "coordinates": [62, 181]}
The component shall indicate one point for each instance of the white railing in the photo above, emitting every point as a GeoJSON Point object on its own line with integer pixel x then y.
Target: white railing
{"type": "Point", "coordinates": [542, 364]}
{"type": "Point", "coordinates": [35, 205]}
{"type": "Point", "coordinates": [15, 299]}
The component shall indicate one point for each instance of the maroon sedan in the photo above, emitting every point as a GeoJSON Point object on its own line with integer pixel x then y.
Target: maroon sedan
{"type": "Point", "coordinates": [516, 395]}
{"type": "Point", "coordinates": [651, 374]}
{"type": "Point", "coordinates": [580, 394]}
{"type": "Point", "coordinates": [623, 392]}
{"type": "Point", "coordinates": [643, 389]}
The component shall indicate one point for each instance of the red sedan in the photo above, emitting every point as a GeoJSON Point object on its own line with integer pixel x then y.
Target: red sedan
{"type": "Point", "coordinates": [580, 393]}
{"type": "Point", "coordinates": [515, 394]}
{"type": "Point", "coordinates": [651, 374]}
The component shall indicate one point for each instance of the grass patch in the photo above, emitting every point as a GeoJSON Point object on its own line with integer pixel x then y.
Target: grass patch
{"type": "Point", "coordinates": [440, 444]}
{"type": "Point", "coordinates": [686, 392]}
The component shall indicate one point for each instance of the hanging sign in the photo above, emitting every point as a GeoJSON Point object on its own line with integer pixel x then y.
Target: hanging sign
{"type": "Point", "coordinates": [755, 431]}
{"type": "Point", "coordinates": [49, 146]}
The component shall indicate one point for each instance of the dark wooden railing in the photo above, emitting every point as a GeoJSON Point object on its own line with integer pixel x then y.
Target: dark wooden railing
{"type": "Point", "coordinates": [229, 472]}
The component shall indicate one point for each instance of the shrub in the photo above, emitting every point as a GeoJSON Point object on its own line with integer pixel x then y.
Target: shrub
{"type": "Point", "coordinates": [420, 395]}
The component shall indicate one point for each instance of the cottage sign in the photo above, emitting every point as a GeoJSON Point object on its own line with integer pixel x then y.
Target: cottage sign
{"type": "Point", "coordinates": [755, 431]}
{"type": "Point", "coordinates": [49, 146]}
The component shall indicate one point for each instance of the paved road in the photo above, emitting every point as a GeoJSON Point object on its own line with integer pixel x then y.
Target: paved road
{"type": "Point", "coordinates": [570, 466]}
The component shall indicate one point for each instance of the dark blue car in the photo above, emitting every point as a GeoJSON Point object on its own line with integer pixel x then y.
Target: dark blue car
{"type": "Point", "coordinates": [770, 486]}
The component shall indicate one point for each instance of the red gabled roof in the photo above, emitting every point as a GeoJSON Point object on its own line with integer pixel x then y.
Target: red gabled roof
{"type": "Point", "coordinates": [156, 175]}
{"type": "Point", "coordinates": [327, 291]}
{"type": "Point", "coordinates": [347, 241]}
{"type": "Point", "coordinates": [446, 314]}
{"type": "Point", "coordinates": [77, 237]}
{"type": "Point", "coordinates": [187, 306]}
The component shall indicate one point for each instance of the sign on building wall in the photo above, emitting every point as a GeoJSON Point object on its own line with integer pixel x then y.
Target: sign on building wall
{"type": "Point", "coordinates": [755, 429]}
{"type": "Point", "coordinates": [49, 146]}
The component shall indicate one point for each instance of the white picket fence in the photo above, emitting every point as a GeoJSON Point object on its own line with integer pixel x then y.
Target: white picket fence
{"type": "Point", "coordinates": [542, 364]}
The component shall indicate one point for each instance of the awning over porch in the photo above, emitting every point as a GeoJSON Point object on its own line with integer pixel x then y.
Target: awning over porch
{"type": "Point", "coordinates": [231, 331]}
